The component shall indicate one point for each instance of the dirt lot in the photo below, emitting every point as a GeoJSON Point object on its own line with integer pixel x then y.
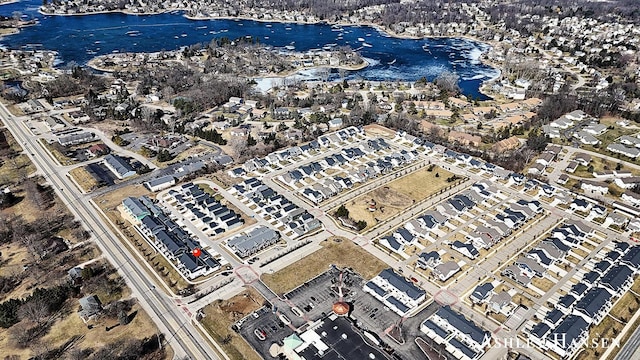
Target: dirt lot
{"type": "Point", "coordinates": [221, 314]}
{"type": "Point", "coordinates": [387, 201]}
{"type": "Point", "coordinates": [377, 130]}
{"type": "Point", "coordinates": [113, 199]}
{"type": "Point", "coordinates": [338, 251]}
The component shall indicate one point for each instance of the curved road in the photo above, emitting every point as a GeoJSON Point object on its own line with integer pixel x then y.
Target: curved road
{"type": "Point", "coordinates": [177, 326]}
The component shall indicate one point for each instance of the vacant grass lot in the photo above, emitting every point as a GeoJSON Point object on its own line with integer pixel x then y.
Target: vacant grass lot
{"type": "Point", "coordinates": [221, 314]}
{"type": "Point", "coordinates": [398, 195]}
{"type": "Point", "coordinates": [84, 179]}
{"type": "Point", "coordinates": [607, 329]}
{"type": "Point", "coordinates": [337, 251]}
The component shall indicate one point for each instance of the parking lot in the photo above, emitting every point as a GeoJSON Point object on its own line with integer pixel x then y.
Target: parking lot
{"type": "Point", "coordinates": [313, 301]}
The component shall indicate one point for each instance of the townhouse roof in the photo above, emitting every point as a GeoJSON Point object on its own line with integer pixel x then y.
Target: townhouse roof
{"type": "Point", "coordinates": [121, 166]}
{"type": "Point", "coordinates": [135, 206]}
{"type": "Point", "coordinates": [593, 302]}
{"type": "Point", "coordinates": [616, 277]}
{"type": "Point", "coordinates": [463, 325]}
{"type": "Point", "coordinates": [402, 284]}
{"type": "Point", "coordinates": [569, 330]}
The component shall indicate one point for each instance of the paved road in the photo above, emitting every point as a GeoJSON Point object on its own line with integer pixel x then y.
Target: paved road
{"type": "Point", "coordinates": [631, 349]}
{"type": "Point", "coordinates": [180, 333]}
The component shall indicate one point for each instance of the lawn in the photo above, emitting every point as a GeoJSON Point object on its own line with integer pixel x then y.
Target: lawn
{"type": "Point", "coordinates": [625, 307]}
{"type": "Point", "coordinates": [13, 165]}
{"type": "Point", "coordinates": [388, 201]}
{"type": "Point", "coordinates": [542, 284]}
{"type": "Point", "coordinates": [221, 314]}
{"type": "Point", "coordinates": [12, 170]}
{"type": "Point", "coordinates": [84, 179]}
{"type": "Point", "coordinates": [636, 285]}
{"type": "Point", "coordinates": [337, 251]}
{"type": "Point", "coordinates": [606, 330]}
{"type": "Point", "coordinates": [611, 135]}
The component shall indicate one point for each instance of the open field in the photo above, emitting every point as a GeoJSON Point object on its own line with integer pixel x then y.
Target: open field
{"type": "Point", "coordinates": [387, 201]}
{"type": "Point", "coordinates": [55, 152]}
{"type": "Point", "coordinates": [221, 314]}
{"type": "Point", "coordinates": [377, 130]}
{"type": "Point", "coordinates": [338, 251]}
{"type": "Point", "coordinates": [13, 165]}
{"type": "Point", "coordinates": [85, 180]}
{"type": "Point", "coordinates": [606, 330]}
{"type": "Point", "coordinates": [112, 199]}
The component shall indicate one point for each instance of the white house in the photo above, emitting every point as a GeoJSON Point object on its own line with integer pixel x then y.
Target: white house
{"type": "Point", "coordinates": [396, 292]}
{"type": "Point", "coordinates": [593, 186]}
{"type": "Point", "coordinates": [335, 123]}
{"type": "Point", "coordinates": [631, 198]}
{"type": "Point", "coordinates": [628, 182]}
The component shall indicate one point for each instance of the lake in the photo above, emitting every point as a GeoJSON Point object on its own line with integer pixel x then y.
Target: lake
{"type": "Point", "coordinates": [79, 38]}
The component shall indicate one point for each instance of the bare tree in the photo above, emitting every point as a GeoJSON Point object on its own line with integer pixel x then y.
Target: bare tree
{"type": "Point", "coordinates": [35, 310]}
{"type": "Point", "coordinates": [239, 147]}
{"type": "Point", "coordinates": [448, 82]}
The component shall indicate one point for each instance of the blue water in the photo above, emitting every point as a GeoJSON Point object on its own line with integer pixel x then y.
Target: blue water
{"type": "Point", "coordinates": [79, 38]}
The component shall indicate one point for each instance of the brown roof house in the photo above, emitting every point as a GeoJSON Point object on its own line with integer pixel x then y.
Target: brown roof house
{"type": "Point", "coordinates": [464, 138]}
{"type": "Point", "coordinates": [506, 144]}
{"type": "Point", "coordinates": [98, 150]}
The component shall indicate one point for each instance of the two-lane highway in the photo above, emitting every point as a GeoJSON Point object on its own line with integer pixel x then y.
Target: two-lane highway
{"type": "Point", "coordinates": [176, 325]}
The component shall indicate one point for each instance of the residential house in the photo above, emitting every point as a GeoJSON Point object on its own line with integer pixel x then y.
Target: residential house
{"type": "Point", "coordinates": [396, 292]}
{"type": "Point", "coordinates": [481, 293]}
{"type": "Point", "coordinates": [428, 260]}
{"type": "Point", "coordinates": [594, 186]}
{"type": "Point", "coordinates": [506, 145]}
{"type": "Point", "coordinates": [631, 152]}
{"type": "Point", "coordinates": [467, 250]}
{"type": "Point", "coordinates": [586, 138]}
{"type": "Point", "coordinates": [464, 330]}
{"type": "Point", "coordinates": [568, 337]}
{"type": "Point", "coordinates": [446, 270]}
{"type": "Point", "coordinates": [572, 166]}
{"type": "Point", "coordinates": [253, 241]}
{"type": "Point", "coordinates": [583, 159]}
{"type": "Point", "coordinates": [90, 307]}
{"type": "Point", "coordinates": [595, 129]}
{"type": "Point", "coordinates": [594, 306]}
{"type": "Point", "coordinates": [118, 166]}
{"type": "Point", "coordinates": [631, 198]}
{"type": "Point", "coordinates": [628, 182]}
{"type": "Point", "coordinates": [160, 183]}
{"type": "Point", "coordinates": [464, 138]}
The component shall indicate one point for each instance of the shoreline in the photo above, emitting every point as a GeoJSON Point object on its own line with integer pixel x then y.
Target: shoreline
{"type": "Point", "coordinates": [9, 2]}
{"type": "Point", "coordinates": [92, 64]}
{"type": "Point", "coordinates": [377, 27]}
